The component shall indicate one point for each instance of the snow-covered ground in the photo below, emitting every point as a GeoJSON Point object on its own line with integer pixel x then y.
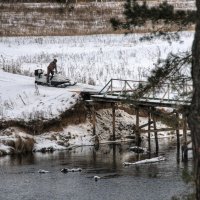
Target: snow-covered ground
{"type": "Point", "coordinates": [90, 59]}
{"type": "Point", "coordinates": [21, 100]}
{"type": "Point", "coordinates": [86, 59]}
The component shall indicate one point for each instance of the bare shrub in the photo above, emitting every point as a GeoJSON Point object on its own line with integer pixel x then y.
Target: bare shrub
{"type": "Point", "coordinates": [29, 144]}
{"type": "Point", "coordinates": [24, 145]}
{"type": "Point", "coordinates": [18, 145]}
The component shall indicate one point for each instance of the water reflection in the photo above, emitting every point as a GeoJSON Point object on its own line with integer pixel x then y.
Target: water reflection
{"type": "Point", "coordinates": [117, 181]}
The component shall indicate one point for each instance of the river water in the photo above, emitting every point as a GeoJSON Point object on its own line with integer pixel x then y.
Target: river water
{"type": "Point", "coordinates": [20, 180]}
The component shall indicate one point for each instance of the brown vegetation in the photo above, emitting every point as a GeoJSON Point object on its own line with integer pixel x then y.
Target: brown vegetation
{"type": "Point", "coordinates": [57, 19]}
{"type": "Point", "coordinates": [15, 142]}
{"type": "Point", "coordinates": [43, 18]}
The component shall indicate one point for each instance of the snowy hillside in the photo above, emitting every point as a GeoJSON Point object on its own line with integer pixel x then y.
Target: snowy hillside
{"type": "Point", "coordinates": [20, 100]}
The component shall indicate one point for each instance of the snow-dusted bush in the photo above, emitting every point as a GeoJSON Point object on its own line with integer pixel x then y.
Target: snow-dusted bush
{"type": "Point", "coordinates": [13, 140]}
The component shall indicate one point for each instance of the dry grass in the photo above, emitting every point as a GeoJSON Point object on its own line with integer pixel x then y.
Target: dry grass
{"type": "Point", "coordinates": [44, 19]}
{"type": "Point", "coordinates": [57, 19]}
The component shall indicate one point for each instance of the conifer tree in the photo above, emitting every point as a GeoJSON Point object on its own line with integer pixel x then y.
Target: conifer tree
{"type": "Point", "coordinates": [164, 19]}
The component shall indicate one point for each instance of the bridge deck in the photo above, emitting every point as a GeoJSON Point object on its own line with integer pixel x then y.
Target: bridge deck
{"type": "Point", "coordinates": [142, 101]}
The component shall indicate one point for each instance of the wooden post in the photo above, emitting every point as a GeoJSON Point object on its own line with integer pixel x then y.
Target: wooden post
{"type": "Point", "coordinates": [149, 133]}
{"type": "Point", "coordinates": [114, 156]}
{"type": "Point", "coordinates": [178, 137]}
{"type": "Point", "coordinates": [137, 134]}
{"type": "Point", "coordinates": [185, 129]}
{"type": "Point", "coordinates": [113, 122]}
{"type": "Point", "coordinates": [156, 133]}
{"type": "Point", "coordinates": [184, 146]}
{"type": "Point", "coordinates": [94, 120]}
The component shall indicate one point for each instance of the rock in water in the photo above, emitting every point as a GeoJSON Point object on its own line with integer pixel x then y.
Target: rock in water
{"type": "Point", "coordinates": [137, 149]}
{"type": "Point", "coordinates": [66, 170]}
{"type": "Point", "coordinates": [42, 171]}
{"type": "Point", "coordinates": [96, 178]}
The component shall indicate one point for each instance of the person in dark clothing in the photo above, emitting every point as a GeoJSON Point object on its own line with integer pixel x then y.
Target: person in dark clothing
{"type": "Point", "coordinates": [50, 69]}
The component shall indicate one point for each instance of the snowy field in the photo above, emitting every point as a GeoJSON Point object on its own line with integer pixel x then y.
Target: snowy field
{"type": "Point", "coordinates": [91, 59]}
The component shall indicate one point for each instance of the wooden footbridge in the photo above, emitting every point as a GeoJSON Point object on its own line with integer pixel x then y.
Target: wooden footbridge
{"type": "Point", "coordinates": [168, 95]}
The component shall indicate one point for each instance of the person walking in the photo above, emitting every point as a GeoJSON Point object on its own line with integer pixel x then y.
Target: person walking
{"type": "Point", "coordinates": [50, 69]}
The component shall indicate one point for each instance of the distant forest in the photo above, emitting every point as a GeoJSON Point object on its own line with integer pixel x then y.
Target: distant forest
{"type": "Point", "coordinates": [33, 1]}
{"type": "Point", "coordinates": [53, 1]}
{"type": "Point", "coordinates": [36, 1]}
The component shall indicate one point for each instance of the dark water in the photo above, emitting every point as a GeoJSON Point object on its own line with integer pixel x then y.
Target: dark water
{"type": "Point", "coordinates": [20, 180]}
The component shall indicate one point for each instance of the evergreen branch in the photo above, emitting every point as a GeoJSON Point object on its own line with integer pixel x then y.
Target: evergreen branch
{"type": "Point", "coordinates": [137, 15]}
{"type": "Point", "coordinates": [168, 70]}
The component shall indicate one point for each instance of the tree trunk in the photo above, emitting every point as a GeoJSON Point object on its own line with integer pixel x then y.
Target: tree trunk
{"type": "Point", "coordinates": [194, 116]}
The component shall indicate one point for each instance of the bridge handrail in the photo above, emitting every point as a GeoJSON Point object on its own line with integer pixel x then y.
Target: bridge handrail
{"type": "Point", "coordinates": [128, 88]}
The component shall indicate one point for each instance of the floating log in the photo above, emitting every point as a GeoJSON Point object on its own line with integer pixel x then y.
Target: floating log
{"type": "Point", "coordinates": [146, 161]}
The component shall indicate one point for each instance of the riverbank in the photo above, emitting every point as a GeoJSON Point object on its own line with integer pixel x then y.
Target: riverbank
{"type": "Point", "coordinates": [46, 119]}
{"type": "Point", "coordinates": [55, 118]}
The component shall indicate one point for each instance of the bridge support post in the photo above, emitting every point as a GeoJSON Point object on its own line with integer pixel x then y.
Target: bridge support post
{"type": "Point", "coordinates": [113, 122]}
{"type": "Point", "coordinates": [184, 147]}
{"type": "Point", "coordinates": [149, 133]}
{"type": "Point", "coordinates": [137, 133]}
{"type": "Point", "coordinates": [93, 120]}
{"type": "Point", "coordinates": [178, 136]}
{"type": "Point", "coordinates": [156, 133]}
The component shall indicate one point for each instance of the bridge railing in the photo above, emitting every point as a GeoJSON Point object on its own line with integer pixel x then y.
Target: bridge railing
{"type": "Point", "coordinates": [167, 91]}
